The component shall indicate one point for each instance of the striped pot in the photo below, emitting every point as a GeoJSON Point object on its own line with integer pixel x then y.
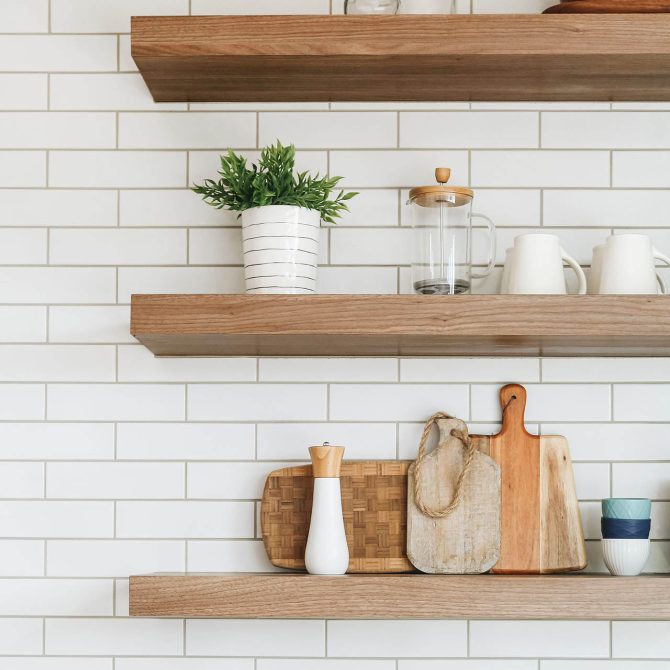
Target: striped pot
{"type": "Point", "coordinates": [281, 248]}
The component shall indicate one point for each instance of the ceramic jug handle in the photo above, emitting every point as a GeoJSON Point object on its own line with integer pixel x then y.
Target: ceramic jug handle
{"type": "Point", "coordinates": [492, 247]}
{"type": "Point", "coordinates": [661, 257]}
{"type": "Point", "coordinates": [581, 277]}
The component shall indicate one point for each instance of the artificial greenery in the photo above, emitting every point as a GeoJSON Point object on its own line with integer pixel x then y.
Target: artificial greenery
{"type": "Point", "coordinates": [272, 182]}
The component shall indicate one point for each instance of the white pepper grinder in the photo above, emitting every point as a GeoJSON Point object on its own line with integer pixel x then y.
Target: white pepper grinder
{"type": "Point", "coordinates": [327, 552]}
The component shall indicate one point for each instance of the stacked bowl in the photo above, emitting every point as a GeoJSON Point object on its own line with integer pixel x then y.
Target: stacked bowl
{"type": "Point", "coordinates": [626, 524]}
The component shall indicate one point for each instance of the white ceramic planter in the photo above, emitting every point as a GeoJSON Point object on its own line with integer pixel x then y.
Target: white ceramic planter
{"type": "Point", "coordinates": [280, 246]}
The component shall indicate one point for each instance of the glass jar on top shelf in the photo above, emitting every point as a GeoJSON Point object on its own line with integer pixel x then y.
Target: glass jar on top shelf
{"type": "Point", "coordinates": [442, 223]}
{"type": "Point", "coordinates": [379, 7]}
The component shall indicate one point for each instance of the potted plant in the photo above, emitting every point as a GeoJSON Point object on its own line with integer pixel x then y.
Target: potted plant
{"type": "Point", "coordinates": [281, 212]}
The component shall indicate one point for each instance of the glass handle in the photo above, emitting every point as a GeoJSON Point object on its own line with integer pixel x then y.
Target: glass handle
{"type": "Point", "coordinates": [492, 247]}
{"type": "Point", "coordinates": [664, 259]}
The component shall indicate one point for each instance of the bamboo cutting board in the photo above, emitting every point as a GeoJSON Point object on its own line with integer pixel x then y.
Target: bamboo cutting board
{"type": "Point", "coordinates": [374, 504]}
{"type": "Point", "coordinates": [541, 529]}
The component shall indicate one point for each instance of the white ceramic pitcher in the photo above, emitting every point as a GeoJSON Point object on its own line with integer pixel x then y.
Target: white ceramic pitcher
{"type": "Point", "coordinates": [536, 267]}
{"type": "Point", "coordinates": [626, 265]}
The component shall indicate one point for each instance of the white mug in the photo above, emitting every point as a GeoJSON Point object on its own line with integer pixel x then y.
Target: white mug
{"type": "Point", "coordinates": [628, 267]}
{"type": "Point", "coordinates": [536, 266]}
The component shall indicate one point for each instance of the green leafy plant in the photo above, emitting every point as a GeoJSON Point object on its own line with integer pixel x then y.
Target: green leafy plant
{"type": "Point", "coordinates": [272, 181]}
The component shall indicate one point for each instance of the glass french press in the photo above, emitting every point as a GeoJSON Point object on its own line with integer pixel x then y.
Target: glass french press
{"type": "Point", "coordinates": [441, 217]}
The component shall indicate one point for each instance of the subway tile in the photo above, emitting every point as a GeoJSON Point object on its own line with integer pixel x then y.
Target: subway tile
{"type": "Point", "coordinates": [179, 280]}
{"type": "Point", "coordinates": [605, 665]}
{"type": "Point", "coordinates": [324, 664]}
{"type": "Point", "coordinates": [115, 402]}
{"type": "Point", "coordinates": [605, 369]}
{"type": "Point", "coordinates": [123, 637]}
{"type": "Point", "coordinates": [57, 53]}
{"type": "Point", "coordinates": [24, 16]}
{"type": "Point", "coordinates": [387, 402]}
{"type": "Point", "coordinates": [605, 130]}
{"type": "Point", "coordinates": [368, 280]}
{"type": "Point", "coordinates": [113, 558]}
{"type": "Point", "coordinates": [261, 637]}
{"type": "Point", "coordinates": [327, 369]}
{"type": "Point", "coordinates": [373, 246]}
{"type": "Point", "coordinates": [228, 556]}
{"type": "Point", "coordinates": [21, 558]}
{"type": "Point", "coordinates": [636, 169]}
{"type": "Point", "coordinates": [108, 324]}
{"type": "Point", "coordinates": [640, 402]}
{"type": "Point", "coordinates": [330, 130]}
{"type": "Point", "coordinates": [22, 480]}
{"type": "Point", "coordinates": [126, 62]}
{"type": "Point", "coordinates": [542, 106]}
{"type": "Point", "coordinates": [215, 246]}
{"type": "Point", "coordinates": [60, 285]}
{"type": "Point", "coordinates": [540, 168]}
{"type": "Point", "coordinates": [23, 247]}
{"type": "Point", "coordinates": [187, 130]}
{"type": "Point", "coordinates": [46, 519]}
{"type": "Point", "coordinates": [115, 480]}
{"type": "Point", "coordinates": [513, 207]}
{"type": "Point", "coordinates": [640, 639]}
{"type": "Point", "coordinates": [57, 130]}
{"type": "Point", "coordinates": [179, 207]}
{"type": "Point", "coordinates": [46, 663]}
{"type": "Point", "coordinates": [398, 106]}
{"type": "Point", "coordinates": [54, 208]}
{"type": "Point", "coordinates": [255, 402]}
{"type": "Point", "coordinates": [509, 7]}
{"type": "Point", "coordinates": [523, 639]}
{"type": "Point", "coordinates": [53, 362]}
{"type": "Point", "coordinates": [185, 441]}
{"type": "Point", "coordinates": [117, 169]}
{"type": "Point", "coordinates": [397, 638]}
{"type": "Point", "coordinates": [371, 207]}
{"type": "Point", "coordinates": [592, 480]}
{"type": "Point", "coordinates": [555, 402]}
{"type": "Point", "coordinates": [469, 130]}
{"type": "Point", "coordinates": [23, 324]}
{"type": "Point", "coordinates": [394, 169]}
{"type": "Point", "coordinates": [469, 370]}
{"type": "Point", "coordinates": [641, 480]}
{"type": "Point", "coordinates": [260, 7]}
{"type": "Point", "coordinates": [229, 480]}
{"type": "Point", "coordinates": [23, 91]}
{"type": "Point", "coordinates": [185, 519]}
{"type": "Point", "coordinates": [660, 521]}
{"type": "Point", "coordinates": [184, 663]}
{"type": "Point", "coordinates": [113, 92]}
{"type": "Point", "coordinates": [20, 636]}
{"type": "Point", "coordinates": [613, 441]}
{"type": "Point", "coordinates": [591, 514]}
{"type": "Point", "coordinates": [98, 16]}
{"type": "Point", "coordinates": [291, 440]}
{"type": "Point", "coordinates": [21, 402]}
{"type": "Point", "coordinates": [56, 597]}
{"type": "Point", "coordinates": [96, 246]}
{"type": "Point", "coordinates": [56, 441]}
{"type": "Point", "coordinates": [444, 664]}
{"type": "Point", "coordinates": [22, 169]}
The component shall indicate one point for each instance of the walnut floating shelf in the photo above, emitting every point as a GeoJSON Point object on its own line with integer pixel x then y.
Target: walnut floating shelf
{"type": "Point", "coordinates": [623, 57]}
{"type": "Point", "coordinates": [402, 325]}
{"type": "Point", "coordinates": [413, 596]}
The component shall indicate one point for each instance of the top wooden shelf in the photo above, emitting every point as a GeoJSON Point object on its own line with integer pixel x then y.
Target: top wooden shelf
{"type": "Point", "coordinates": [622, 57]}
{"type": "Point", "coordinates": [402, 325]}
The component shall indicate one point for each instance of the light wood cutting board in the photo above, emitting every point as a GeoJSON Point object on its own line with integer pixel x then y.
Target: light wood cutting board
{"type": "Point", "coordinates": [541, 529]}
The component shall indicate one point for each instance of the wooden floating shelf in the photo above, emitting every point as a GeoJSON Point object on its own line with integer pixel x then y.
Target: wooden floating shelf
{"type": "Point", "coordinates": [413, 596]}
{"type": "Point", "coordinates": [402, 325]}
{"type": "Point", "coordinates": [622, 57]}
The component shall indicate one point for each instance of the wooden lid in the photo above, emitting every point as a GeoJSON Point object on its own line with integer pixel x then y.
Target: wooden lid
{"type": "Point", "coordinates": [433, 196]}
{"type": "Point", "coordinates": [326, 460]}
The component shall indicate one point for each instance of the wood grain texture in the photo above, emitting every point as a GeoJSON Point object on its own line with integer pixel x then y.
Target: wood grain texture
{"type": "Point", "coordinates": [610, 7]}
{"type": "Point", "coordinates": [301, 596]}
{"type": "Point", "coordinates": [374, 506]}
{"type": "Point", "coordinates": [326, 461]}
{"type": "Point", "coordinates": [403, 58]}
{"type": "Point", "coordinates": [402, 325]}
{"type": "Point", "coordinates": [468, 540]}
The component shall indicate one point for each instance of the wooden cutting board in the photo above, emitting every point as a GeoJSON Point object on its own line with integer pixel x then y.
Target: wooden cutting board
{"type": "Point", "coordinates": [467, 541]}
{"type": "Point", "coordinates": [374, 504]}
{"type": "Point", "coordinates": [541, 529]}
{"type": "Point", "coordinates": [610, 7]}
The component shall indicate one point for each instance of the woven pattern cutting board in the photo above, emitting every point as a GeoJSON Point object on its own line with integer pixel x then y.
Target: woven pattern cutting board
{"type": "Point", "coordinates": [374, 504]}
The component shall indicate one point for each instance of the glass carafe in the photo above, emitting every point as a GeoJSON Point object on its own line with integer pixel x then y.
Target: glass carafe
{"type": "Point", "coordinates": [442, 220]}
{"type": "Point", "coordinates": [371, 6]}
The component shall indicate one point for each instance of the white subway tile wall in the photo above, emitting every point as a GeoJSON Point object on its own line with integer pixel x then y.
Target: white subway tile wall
{"type": "Point", "coordinates": [113, 462]}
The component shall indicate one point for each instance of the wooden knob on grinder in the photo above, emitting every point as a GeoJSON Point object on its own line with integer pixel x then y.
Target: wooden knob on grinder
{"type": "Point", "coordinates": [442, 175]}
{"type": "Point", "coordinates": [326, 460]}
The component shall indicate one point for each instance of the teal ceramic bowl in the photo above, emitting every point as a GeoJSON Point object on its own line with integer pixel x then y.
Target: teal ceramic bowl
{"type": "Point", "coordinates": [627, 508]}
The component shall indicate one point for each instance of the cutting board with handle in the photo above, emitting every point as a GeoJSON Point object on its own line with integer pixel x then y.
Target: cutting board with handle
{"type": "Point", "coordinates": [453, 514]}
{"type": "Point", "coordinates": [374, 506]}
{"type": "Point", "coordinates": [541, 530]}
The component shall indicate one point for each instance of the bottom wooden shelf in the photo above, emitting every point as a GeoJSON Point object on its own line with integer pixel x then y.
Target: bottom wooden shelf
{"type": "Point", "coordinates": [393, 596]}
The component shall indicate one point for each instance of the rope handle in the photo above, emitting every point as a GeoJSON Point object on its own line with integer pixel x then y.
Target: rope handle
{"type": "Point", "coordinates": [464, 437]}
